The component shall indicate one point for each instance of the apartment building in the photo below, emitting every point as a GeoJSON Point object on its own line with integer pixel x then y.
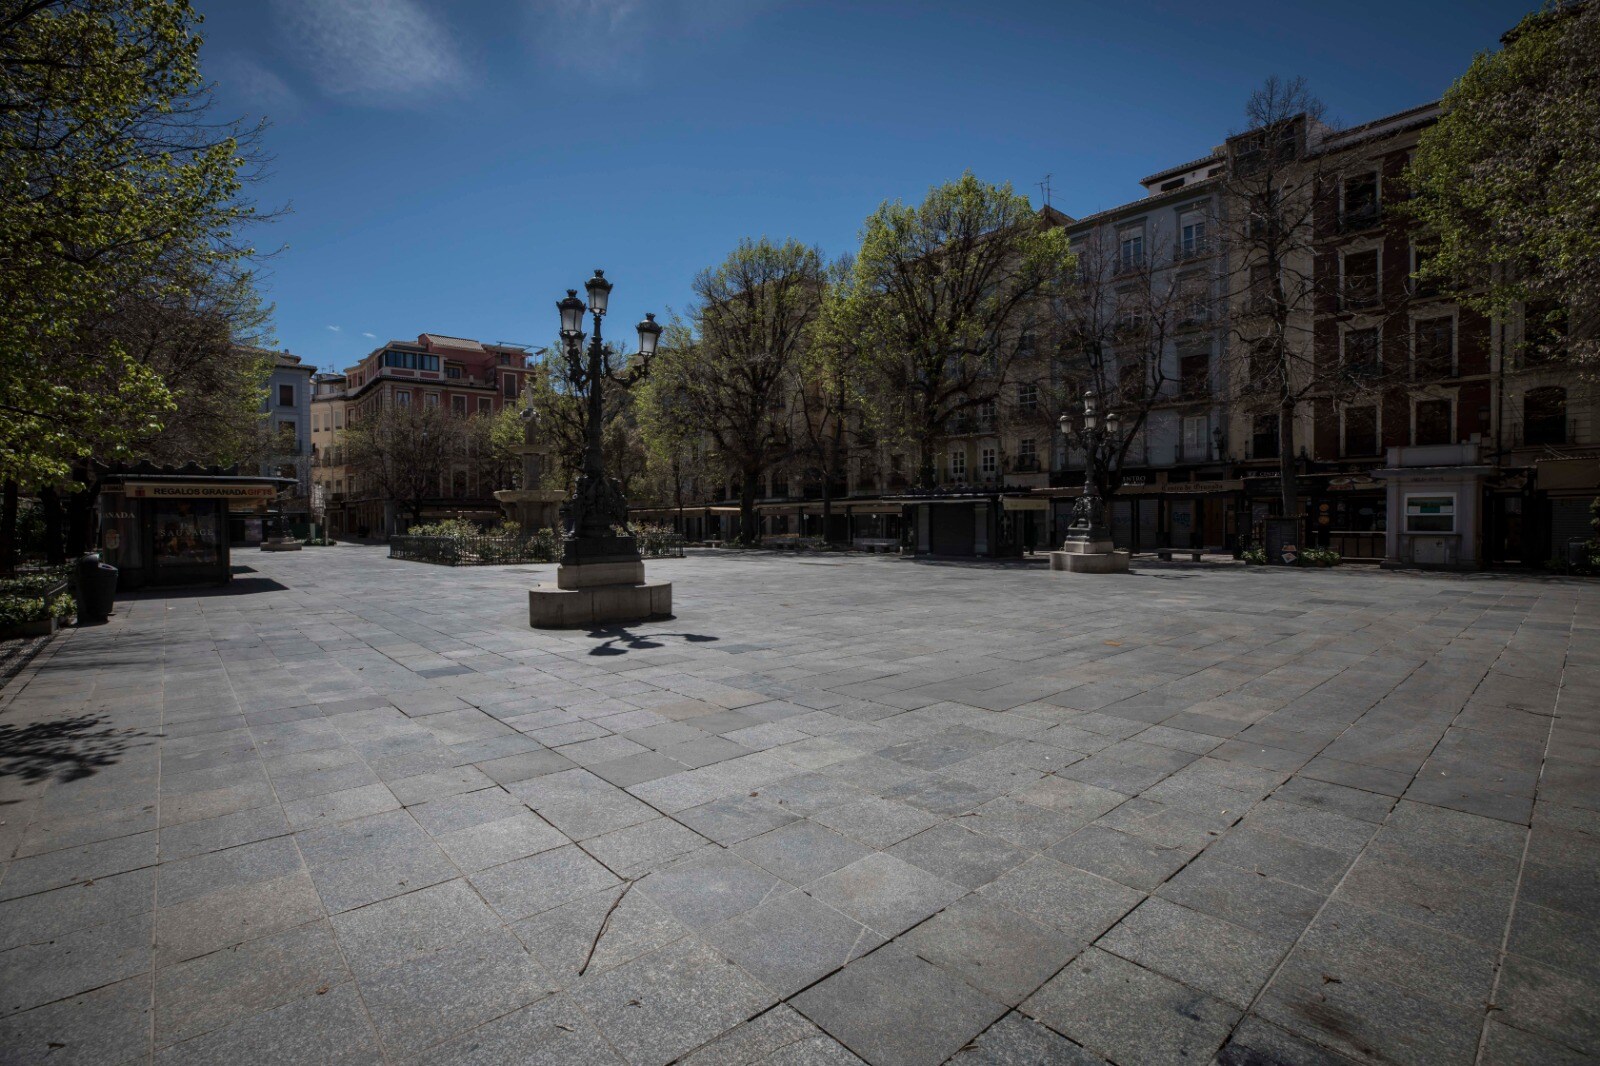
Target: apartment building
{"type": "Point", "coordinates": [1420, 429]}
{"type": "Point", "coordinates": [287, 411]}
{"type": "Point", "coordinates": [329, 473]}
{"type": "Point", "coordinates": [1149, 301]}
{"type": "Point", "coordinates": [465, 377]}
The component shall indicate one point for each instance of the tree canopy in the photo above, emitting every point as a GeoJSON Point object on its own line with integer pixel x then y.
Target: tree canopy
{"type": "Point", "coordinates": [946, 293]}
{"type": "Point", "coordinates": [112, 173]}
{"type": "Point", "coordinates": [1508, 180]}
{"type": "Point", "coordinates": [728, 371]}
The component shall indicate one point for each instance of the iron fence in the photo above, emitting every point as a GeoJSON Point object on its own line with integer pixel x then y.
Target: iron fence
{"type": "Point", "coordinates": [483, 550]}
{"type": "Point", "coordinates": [489, 550]}
{"type": "Point", "coordinates": [661, 545]}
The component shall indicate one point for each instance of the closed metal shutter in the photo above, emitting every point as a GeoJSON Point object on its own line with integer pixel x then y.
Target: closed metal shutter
{"type": "Point", "coordinates": [951, 530]}
{"type": "Point", "coordinates": [1122, 523]}
{"type": "Point", "coordinates": [1149, 524]}
{"type": "Point", "coordinates": [1569, 521]}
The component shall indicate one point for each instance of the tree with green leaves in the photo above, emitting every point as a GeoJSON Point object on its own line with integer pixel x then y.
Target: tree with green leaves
{"type": "Point", "coordinates": [564, 418]}
{"type": "Point", "coordinates": [730, 367]}
{"type": "Point", "coordinates": [945, 295]}
{"type": "Point", "coordinates": [674, 449]}
{"type": "Point", "coordinates": [493, 448]}
{"type": "Point", "coordinates": [827, 389]}
{"type": "Point", "coordinates": [118, 190]}
{"type": "Point", "coordinates": [1507, 182]}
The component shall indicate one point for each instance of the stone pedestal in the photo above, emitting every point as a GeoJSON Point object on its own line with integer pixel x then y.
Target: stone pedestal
{"type": "Point", "coordinates": [606, 591]}
{"type": "Point", "coordinates": [1089, 557]}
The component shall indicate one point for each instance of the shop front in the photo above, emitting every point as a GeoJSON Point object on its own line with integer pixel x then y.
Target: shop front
{"type": "Point", "coordinates": [172, 529]}
{"type": "Point", "coordinates": [1349, 514]}
{"type": "Point", "coordinates": [1166, 514]}
{"type": "Point", "coordinates": [963, 525]}
{"type": "Point", "coordinates": [1567, 489]}
{"type": "Point", "coordinates": [1028, 518]}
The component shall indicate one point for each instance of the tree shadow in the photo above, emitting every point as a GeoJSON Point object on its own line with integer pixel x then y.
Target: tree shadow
{"type": "Point", "coordinates": [66, 749]}
{"type": "Point", "coordinates": [964, 562]}
{"type": "Point", "coordinates": [620, 640]}
{"type": "Point", "coordinates": [242, 586]}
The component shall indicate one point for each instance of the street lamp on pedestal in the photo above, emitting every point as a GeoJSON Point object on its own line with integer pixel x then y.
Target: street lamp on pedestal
{"type": "Point", "coordinates": [601, 577]}
{"type": "Point", "coordinates": [598, 510]}
{"type": "Point", "coordinates": [1088, 525]}
{"type": "Point", "coordinates": [1087, 547]}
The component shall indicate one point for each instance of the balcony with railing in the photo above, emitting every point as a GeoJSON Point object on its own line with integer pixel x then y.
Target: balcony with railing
{"type": "Point", "coordinates": [970, 425]}
{"type": "Point", "coordinates": [1130, 262]}
{"type": "Point", "coordinates": [1194, 452]}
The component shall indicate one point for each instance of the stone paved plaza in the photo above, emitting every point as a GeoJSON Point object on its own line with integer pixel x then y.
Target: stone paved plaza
{"type": "Point", "coordinates": [353, 810]}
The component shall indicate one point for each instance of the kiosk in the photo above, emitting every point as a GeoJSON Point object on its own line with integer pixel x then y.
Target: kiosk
{"type": "Point", "coordinates": [166, 527]}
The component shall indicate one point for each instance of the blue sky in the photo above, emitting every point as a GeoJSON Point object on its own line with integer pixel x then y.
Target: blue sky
{"type": "Point", "coordinates": [452, 166]}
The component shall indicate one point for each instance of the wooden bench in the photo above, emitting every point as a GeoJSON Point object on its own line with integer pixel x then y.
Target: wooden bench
{"type": "Point", "coordinates": [1166, 554]}
{"type": "Point", "coordinates": [876, 544]}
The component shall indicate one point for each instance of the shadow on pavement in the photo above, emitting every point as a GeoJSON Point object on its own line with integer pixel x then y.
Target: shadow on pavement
{"type": "Point", "coordinates": [66, 749]}
{"type": "Point", "coordinates": [621, 641]}
{"type": "Point", "coordinates": [239, 586]}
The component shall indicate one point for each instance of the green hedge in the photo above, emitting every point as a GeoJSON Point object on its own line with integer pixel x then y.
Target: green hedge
{"type": "Point", "coordinates": [32, 597]}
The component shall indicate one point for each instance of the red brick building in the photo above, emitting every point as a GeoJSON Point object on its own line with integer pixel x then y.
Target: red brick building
{"type": "Point", "coordinates": [463, 376]}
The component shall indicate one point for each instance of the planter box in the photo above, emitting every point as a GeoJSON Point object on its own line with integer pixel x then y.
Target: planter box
{"type": "Point", "coordinates": [44, 627]}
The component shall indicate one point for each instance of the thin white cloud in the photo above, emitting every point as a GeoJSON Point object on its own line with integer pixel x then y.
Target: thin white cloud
{"type": "Point", "coordinates": [255, 85]}
{"type": "Point", "coordinates": [385, 52]}
{"type": "Point", "coordinates": [625, 40]}
{"type": "Point", "coordinates": [371, 336]}
{"type": "Point", "coordinates": [336, 329]}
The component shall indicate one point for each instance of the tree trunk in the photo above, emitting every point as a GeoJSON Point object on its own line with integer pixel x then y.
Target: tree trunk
{"type": "Point", "coordinates": [80, 517]}
{"type": "Point", "coordinates": [830, 468]}
{"type": "Point", "coordinates": [1287, 489]}
{"type": "Point", "coordinates": [747, 507]}
{"type": "Point", "coordinates": [927, 463]}
{"type": "Point", "coordinates": [8, 530]}
{"type": "Point", "coordinates": [677, 494]}
{"type": "Point", "coordinates": [50, 503]}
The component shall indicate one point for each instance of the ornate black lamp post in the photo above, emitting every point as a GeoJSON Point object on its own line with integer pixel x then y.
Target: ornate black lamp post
{"type": "Point", "coordinates": [1088, 524]}
{"type": "Point", "coordinates": [597, 508]}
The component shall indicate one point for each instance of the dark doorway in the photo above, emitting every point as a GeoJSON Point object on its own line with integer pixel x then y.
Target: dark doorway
{"type": "Point", "coordinates": [950, 530]}
{"type": "Point", "coordinates": [1505, 533]}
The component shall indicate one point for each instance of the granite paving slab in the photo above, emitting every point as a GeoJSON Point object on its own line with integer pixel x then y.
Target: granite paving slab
{"type": "Point", "coordinates": [864, 809]}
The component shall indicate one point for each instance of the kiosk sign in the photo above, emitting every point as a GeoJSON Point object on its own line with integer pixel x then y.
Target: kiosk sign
{"type": "Point", "coordinates": [157, 490]}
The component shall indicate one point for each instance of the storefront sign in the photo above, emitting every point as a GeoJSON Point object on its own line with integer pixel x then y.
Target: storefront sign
{"type": "Point", "coordinates": [166, 490]}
